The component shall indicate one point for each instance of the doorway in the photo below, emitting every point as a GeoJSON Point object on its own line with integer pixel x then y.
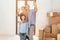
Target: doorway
{"type": "Point", "coordinates": [19, 4]}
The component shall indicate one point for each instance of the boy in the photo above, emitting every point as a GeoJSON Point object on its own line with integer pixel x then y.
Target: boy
{"type": "Point", "coordinates": [23, 27]}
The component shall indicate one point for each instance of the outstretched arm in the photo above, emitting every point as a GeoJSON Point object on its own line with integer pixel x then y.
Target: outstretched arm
{"type": "Point", "coordinates": [18, 12]}
{"type": "Point", "coordinates": [35, 6]}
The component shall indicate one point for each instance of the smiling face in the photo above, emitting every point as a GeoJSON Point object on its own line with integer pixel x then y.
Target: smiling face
{"type": "Point", "coordinates": [23, 17]}
{"type": "Point", "coordinates": [23, 10]}
{"type": "Point", "coordinates": [27, 7]}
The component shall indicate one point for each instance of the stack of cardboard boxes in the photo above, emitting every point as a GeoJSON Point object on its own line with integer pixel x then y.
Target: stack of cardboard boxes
{"type": "Point", "coordinates": [51, 31]}
{"type": "Point", "coordinates": [54, 22]}
{"type": "Point", "coordinates": [41, 34]}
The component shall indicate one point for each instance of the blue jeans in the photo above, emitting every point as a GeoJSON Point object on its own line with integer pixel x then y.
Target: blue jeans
{"type": "Point", "coordinates": [22, 36]}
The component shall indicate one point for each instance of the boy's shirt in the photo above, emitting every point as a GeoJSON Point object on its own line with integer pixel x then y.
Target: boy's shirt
{"type": "Point", "coordinates": [23, 28]}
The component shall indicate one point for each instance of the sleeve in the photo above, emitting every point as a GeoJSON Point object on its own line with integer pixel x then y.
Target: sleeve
{"type": "Point", "coordinates": [32, 10]}
{"type": "Point", "coordinates": [19, 28]}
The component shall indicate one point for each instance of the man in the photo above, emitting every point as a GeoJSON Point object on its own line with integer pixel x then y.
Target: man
{"type": "Point", "coordinates": [31, 19]}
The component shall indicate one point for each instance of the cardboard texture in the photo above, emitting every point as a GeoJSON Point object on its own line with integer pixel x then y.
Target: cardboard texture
{"type": "Point", "coordinates": [54, 29]}
{"type": "Point", "coordinates": [58, 26]}
{"type": "Point", "coordinates": [47, 35]}
{"type": "Point", "coordinates": [54, 20]}
{"type": "Point", "coordinates": [50, 39]}
{"type": "Point", "coordinates": [47, 29]}
{"type": "Point", "coordinates": [41, 34]}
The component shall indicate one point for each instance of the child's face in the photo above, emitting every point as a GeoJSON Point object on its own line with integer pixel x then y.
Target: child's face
{"type": "Point", "coordinates": [23, 17]}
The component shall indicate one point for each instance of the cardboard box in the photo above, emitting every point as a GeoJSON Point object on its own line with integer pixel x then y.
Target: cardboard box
{"type": "Point", "coordinates": [58, 26]}
{"type": "Point", "coordinates": [50, 39]}
{"type": "Point", "coordinates": [53, 14]}
{"type": "Point", "coordinates": [47, 35]}
{"type": "Point", "coordinates": [47, 29]}
{"type": "Point", "coordinates": [54, 20]}
{"type": "Point", "coordinates": [41, 34]}
{"type": "Point", "coordinates": [58, 36]}
{"type": "Point", "coordinates": [54, 29]}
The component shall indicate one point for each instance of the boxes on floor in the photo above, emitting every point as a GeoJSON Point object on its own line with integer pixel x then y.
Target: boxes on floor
{"type": "Point", "coordinates": [54, 20]}
{"type": "Point", "coordinates": [50, 38]}
{"type": "Point", "coordinates": [47, 35]}
{"type": "Point", "coordinates": [41, 34]}
{"type": "Point", "coordinates": [54, 29]}
{"type": "Point", "coordinates": [47, 29]}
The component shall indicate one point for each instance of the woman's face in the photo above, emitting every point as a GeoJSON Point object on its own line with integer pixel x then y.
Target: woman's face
{"type": "Point", "coordinates": [23, 9]}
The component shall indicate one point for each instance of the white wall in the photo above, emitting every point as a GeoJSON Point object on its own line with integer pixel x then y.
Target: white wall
{"type": "Point", "coordinates": [7, 17]}
{"type": "Point", "coordinates": [56, 5]}
{"type": "Point", "coordinates": [44, 6]}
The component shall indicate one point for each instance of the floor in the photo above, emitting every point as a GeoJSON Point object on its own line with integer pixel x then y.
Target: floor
{"type": "Point", "coordinates": [16, 37]}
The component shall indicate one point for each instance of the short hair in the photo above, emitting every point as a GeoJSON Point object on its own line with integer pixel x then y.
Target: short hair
{"type": "Point", "coordinates": [22, 15]}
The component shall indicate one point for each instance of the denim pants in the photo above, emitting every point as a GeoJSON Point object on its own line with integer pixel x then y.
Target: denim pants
{"type": "Point", "coordinates": [22, 36]}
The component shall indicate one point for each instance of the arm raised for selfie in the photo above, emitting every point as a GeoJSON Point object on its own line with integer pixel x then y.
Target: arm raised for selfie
{"type": "Point", "coordinates": [35, 6]}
